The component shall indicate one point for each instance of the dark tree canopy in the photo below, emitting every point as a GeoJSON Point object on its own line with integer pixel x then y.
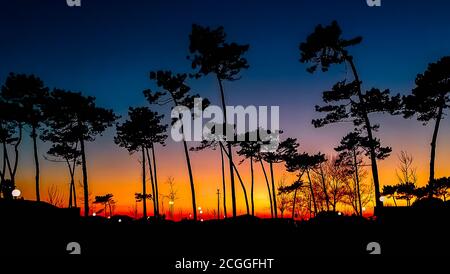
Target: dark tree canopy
{"type": "Point", "coordinates": [325, 47]}
{"type": "Point", "coordinates": [432, 92]}
{"type": "Point", "coordinates": [142, 129]}
{"type": "Point", "coordinates": [174, 89]}
{"type": "Point", "coordinates": [71, 113]}
{"type": "Point", "coordinates": [210, 53]}
{"type": "Point", "coordinates": [29, 93]}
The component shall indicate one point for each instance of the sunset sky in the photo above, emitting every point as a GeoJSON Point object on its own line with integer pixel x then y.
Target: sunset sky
{"type": "Point", "coordinates": [107, 48]}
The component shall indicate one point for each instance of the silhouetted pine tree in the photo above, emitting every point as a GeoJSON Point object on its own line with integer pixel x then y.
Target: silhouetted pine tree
{"type": "Point", "coordinates": [71, 113]}
{"type": "Point", "coordinates": [211, 54]}
{"type": "Point", "coordinates": [29, 93]}
{"type": "Point", "coordinates": [347, 101]}
{"type": "Point", "coordinates": [429, 100]}
{"type": "Point", "coordinates": [174, 90]}
{"type": "Point", "coordinates": [139, 133]}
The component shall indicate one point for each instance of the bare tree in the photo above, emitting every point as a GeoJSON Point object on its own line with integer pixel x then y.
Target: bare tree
{"type": "Point", "coordinates": [284, 200]}
{"type": "Point", "coordinates": [172, 196]}
{"type": "Point", "coordinates": [406, 172]}
{"type": "Point", "coordinates": [55, 196]}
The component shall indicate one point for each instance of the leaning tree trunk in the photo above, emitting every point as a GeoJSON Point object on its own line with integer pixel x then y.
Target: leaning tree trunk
{"type": "Point", "coordinates": [274, 194]}
{"type": "Point", "coordinates": [156, 180]}
{"type": "Point", "coordinates": [268, 187]}
{"type": "Point", "coordinates": [85, 178]}
{"type": "Point", "coordinates": [230, 152]}
{"type": "Point", "coordinates": [144, 192]}
{"type": "Point", "coordinates": [13, 170]}
{"type": "Point", "coordinates": [71, 188]}
{"type": "Point", "coordinates": [36, 162]}
{"type": "Point", "coordinates": [313, 199]}
{"type": "Point", "coordinates": [240, 180]}
{"type": "Point", "coordinates": [223, 184]}
{"type": "Point", "coordinates": [155, 207]}
{"type": "Point", "coordinates": [191, 179]}
{"type": "Point", "coordinates": [433, 143]}
{"type": "Point", "coordinates": [324, 186]}
{"type": "Point", "coordinates": [253, 185]}
{"type": "Point", "coordinates": [368, 126]}
{"type": "Point", "coordinates": [293, 204]}
{"type": "Point", "coordinates": [358, 190]}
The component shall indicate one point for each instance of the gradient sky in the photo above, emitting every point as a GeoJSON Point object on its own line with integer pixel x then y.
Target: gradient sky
{"type": "Point", "coordinates": [106, 49]}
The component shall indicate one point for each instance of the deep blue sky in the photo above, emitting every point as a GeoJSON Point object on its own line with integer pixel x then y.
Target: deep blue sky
{"type": "Point", "coordinates": [107, 47]}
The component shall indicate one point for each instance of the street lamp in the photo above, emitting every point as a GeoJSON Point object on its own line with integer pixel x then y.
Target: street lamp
{"type": "Point", "coordinates": [16, 193]}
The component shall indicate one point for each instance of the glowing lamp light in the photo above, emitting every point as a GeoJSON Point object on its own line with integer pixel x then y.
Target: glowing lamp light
{"type": "Point", "coordinates": [364, 208]}
{"type": "Point", "coordinates": [201, 220]}
{"type": "Point", "coordinates": [120, 220]}
{"type": "Point", "coordinates": [199, 208]}
{"type": "Point", "coordinates": [382, 198]}
{"type": "Point", "coordinates": [339, 213]}
{"type": "Point", "coordinates": [109, 217]}
{"type": "Point", "coordinates": [201, 212]}
{"type": "Point", "coordinates": [171, 202]}
{"type": "Point", "coordinates": [94, 214]}
{"type": "Point", "coordinates": [16, 193]}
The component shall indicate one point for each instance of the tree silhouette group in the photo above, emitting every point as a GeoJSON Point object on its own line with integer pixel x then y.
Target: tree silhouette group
{"type": "Point", "coordinates": [67, 120]}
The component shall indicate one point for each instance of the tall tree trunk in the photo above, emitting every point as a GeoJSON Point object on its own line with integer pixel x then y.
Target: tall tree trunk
{"type": "Point", "coordinates": [358, 190]}
{"type": "Point", "coordinates": [85, 178]}
{"type": "Point", "coordinates": [230, 152]}
{"type": "Point", "coordinates": [191, 179]}
{"type": "Point", "coordinates": [155, 207]}
{"type": "Point", "coordinates": [433, 143]}
{"type": "Point", "coordinates": [16, 153]}
{"type": "Point", "coordinates": [240, 180]}
{"type": "Point", "coordinates": [156, 180]}
{"type": "Point", "coordinates": [268, 187]}
{"type": "Point", "coordinates": [70, 184]}
{"type": "Point", "coordinates": [373, 158]}
{"type": "Point", "coordinates": [72, 181]}
{"type": "Point", "coordinates": [274, 194]}
{"type": "Point", "coordinates": [144, 191]}
{"type": "Point", "coordinates": [36, 161]}
{"type": "Point", "coordinates": [293, 204]}
{"type": "Point", "coordinates": [253, 185]}
{"type": "Point", "coordinates": [324, 186]}
{"type": "Point", "coordinates": [223, 184]}
{"type": "Point", "coordinates": [313, 199]}
{"type": "Point", "coordinates": [3, 170]}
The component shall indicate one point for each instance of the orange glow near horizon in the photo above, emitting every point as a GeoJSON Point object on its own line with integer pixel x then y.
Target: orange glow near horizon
{"type": "Point", "coordinates": [112, 170]}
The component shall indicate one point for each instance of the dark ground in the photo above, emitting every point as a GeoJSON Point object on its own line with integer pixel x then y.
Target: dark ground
{"type": "Point", "coordinates": [44, 230]}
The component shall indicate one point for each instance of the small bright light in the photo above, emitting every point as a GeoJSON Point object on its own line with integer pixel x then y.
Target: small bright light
{"type": "Point", "coordinates": [382, 198]}
{"type": "Point", "coordinates": [16, 193]}
{"type": "Point", "coordinates": [120, 220]}
{"type": "Point", "coordinates": [364, 208]}
{"type": "Point", "coordinates": [199, 208]}
{"type": "Point", "coordinates": [201, 220]}
{"type": "Point", "coordinates": [339, 213]}
{"type": "Point", "coordinates": [201, 212]}
{"type": "Point", "coordinates": [109, 217]}
{"type": "Point", "coordinates": [94, 214]}
{"type": "Point", "coordinates": [171, 202]}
